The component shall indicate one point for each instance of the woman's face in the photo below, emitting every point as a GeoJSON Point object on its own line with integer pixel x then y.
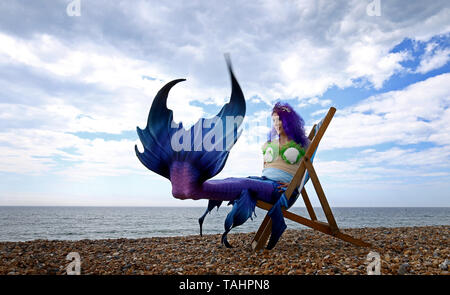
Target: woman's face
{"type": "Point", "coordinates": [277, 124]}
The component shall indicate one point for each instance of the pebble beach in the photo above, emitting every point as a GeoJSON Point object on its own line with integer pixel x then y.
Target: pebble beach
{"type": "Point", "coordinates": [403, 251]}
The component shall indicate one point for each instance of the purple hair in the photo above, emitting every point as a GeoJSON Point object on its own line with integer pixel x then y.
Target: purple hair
{"type": "Point", "coordinates": [293, 124]}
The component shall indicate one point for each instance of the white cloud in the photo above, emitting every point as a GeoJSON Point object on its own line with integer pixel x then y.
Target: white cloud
{"type": "Point", "coordinates": [320, 112]}
{"type": "Point", "coordinates": [395, 165]}
{"type": "Point", "coordinates": [373, 62]}
{"type": "Point", "coordinates": [109, 70]}
{"type": "Point", "coordinates": [37, 152]}
{"type": "Point", "coordinates": [333, 48]}
{"type": "Point", "coordinates": [313, 101]}
{"type": "Point", "coordinates": [433, 60]}
{"type": "Point", "coordinates": [87, 62]}
{"type": "Point", "coordinates": [417, 114]}
{"type": "Point", "coordinates": [32, 151]}
{"type": "Point", "coordinates": [104, 158]}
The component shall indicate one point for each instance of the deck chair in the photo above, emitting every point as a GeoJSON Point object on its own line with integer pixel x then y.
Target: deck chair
{"type": "Point", "coordinates": [305, 171]}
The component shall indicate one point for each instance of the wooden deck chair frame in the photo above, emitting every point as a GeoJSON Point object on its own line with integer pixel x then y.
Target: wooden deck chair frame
{"type": "Point", "coordinates": [330, 228]}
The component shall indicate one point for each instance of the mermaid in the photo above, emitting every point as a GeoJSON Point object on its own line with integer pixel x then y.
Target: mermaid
{"type": "Point", "coordinates": [189, 158]}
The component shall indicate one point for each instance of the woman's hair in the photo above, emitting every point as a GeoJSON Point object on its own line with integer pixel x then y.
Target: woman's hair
{"type": "Point", "coordinates": [293, 124]}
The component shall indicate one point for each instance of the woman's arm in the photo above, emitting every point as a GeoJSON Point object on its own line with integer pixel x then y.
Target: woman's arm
{"type": "Point", "coordinates": [282, 185]}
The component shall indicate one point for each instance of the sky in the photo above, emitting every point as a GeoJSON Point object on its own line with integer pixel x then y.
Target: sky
{"type": "Point", "coordinates": [78, 77]}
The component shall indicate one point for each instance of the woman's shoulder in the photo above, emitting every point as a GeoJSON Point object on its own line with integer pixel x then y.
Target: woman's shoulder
{"type": "Point", "coordinates": [273, 141]}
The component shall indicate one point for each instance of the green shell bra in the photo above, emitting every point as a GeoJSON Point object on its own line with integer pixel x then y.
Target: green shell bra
{"type": "Point", "coordinates": [291, 152]}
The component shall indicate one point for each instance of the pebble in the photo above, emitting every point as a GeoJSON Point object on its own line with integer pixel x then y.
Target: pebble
{"type": "Point", "coordinates": [444, 265]}
{"type": "Point", "coordinates": [403, 269]}
{"type": "Point", "coordinates": [403, 250]}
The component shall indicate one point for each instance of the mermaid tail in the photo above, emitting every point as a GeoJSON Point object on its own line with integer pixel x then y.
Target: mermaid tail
{"type": "Point", "coordinates": [278, 224]}
{"type": "Point", "coordinates": [211, 205]}
{"type": "Point", "coordinates": [190, 167]}
{"type": "Point", "coordinates": [243, 208]}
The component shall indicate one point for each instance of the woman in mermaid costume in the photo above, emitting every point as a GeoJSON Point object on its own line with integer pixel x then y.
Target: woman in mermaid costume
{"type": "Point", "coordinates": [190, 168]}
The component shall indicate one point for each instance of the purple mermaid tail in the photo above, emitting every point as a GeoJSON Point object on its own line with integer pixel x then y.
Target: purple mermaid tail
{"type": "Point", "coordinates": [188, 168]}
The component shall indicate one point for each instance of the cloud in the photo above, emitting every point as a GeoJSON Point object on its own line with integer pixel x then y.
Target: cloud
{"type": "Point", "coordinates": [417, 114]}
{"type": "Point", "coordinates": [414, 125]}
{"type": "Point", "coordinates": [37, 152]}
{"type": "Point", "coordinates": [399, 166]}
{"type": "Point", "coordinates": [433, 59]}
{"type": "Point", "coordinates": [292, 49]}
{"type": "Point", "coordinates": [320, 112]}
{"type": "Point", "coordinates": [314, 101]}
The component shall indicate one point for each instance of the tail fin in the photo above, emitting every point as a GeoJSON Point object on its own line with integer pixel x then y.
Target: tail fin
{"type": "Point", "coordinates": [159, 155]}
{"type": "Point", "coordinates": [211, 205]}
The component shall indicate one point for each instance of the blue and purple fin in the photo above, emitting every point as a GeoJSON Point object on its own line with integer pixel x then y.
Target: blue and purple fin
{"type": "Point", "coordinates": [160, 157]}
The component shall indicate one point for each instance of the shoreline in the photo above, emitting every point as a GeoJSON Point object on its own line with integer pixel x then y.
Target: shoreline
{"type": "Point", "coordinates": [403, 250]}
{"type": "Point", "coordinates": [195, 235]}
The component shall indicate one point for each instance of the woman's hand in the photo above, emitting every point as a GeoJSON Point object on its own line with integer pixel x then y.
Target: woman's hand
{"type": "Point", "coordinates": [282, 185]}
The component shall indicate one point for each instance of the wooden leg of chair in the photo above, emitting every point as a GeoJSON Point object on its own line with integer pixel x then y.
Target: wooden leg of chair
{"type": "Point", "coordinates": [320, 193]}
{"type": "Point", "coordinates": [308, 205]}
{"type": "Point", "coordinates": [314, 224]}
{"type": "Point", "coordinates": [265, 233]}
{"type": "Point", "coordinates": [317, 225]}
{"type": "Point", "coordinates": [261, 229]}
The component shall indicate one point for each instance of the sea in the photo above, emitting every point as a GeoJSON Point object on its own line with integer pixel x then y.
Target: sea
{"type": "Point", "coordinates": [78, 223]}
